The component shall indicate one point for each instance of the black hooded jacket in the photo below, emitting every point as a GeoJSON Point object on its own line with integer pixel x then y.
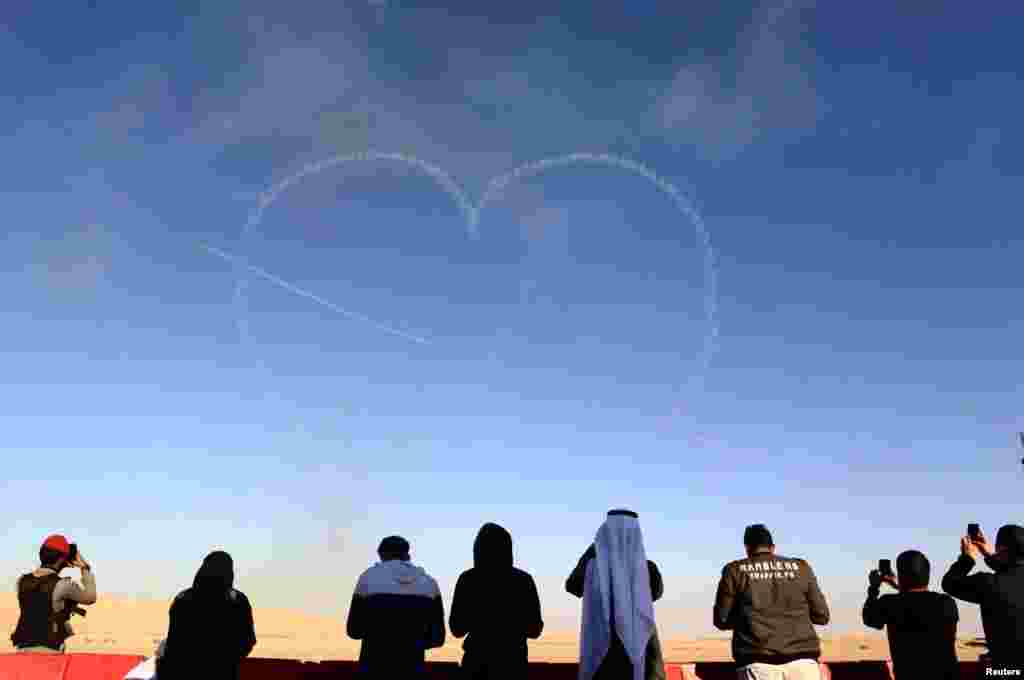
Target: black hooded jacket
{"type": "Point", "coordinates": [495, 604]}
{"type": "Point", "coordinates": [211, 626]}
{"type": "Point", "coordinates": [1000, 594]}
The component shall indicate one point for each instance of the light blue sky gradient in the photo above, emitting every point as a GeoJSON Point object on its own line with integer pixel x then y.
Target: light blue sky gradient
{"type": "Point", "coordinates": [855, 168]}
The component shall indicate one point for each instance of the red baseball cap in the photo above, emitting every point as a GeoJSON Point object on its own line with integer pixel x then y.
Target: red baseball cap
{"type": "Point", "coordinates": [58, 543]}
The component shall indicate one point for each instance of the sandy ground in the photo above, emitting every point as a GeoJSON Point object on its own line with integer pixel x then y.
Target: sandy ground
{"type": "Point", "coordinates": [136, 627]}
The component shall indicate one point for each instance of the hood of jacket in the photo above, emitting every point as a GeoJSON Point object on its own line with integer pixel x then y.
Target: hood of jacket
{"type": "Point", "coordinates": [396, 577]}
{"type": "Point", "coordinates": [492, 549]}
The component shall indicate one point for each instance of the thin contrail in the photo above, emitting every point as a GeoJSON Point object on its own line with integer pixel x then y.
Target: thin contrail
{"type": "Point", "coordinates": [312, 296]}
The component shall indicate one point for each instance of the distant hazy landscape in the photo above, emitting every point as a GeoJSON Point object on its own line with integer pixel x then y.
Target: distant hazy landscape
{"type": "Point", "coordinates": [136, 627]}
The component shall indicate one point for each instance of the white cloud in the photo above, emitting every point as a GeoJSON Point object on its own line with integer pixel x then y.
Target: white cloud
{"type": "Point", "coordinates": [723, 105]}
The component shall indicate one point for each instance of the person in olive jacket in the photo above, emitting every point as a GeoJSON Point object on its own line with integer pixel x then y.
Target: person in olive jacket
{"type": "Point", "coordinates": [771, 604]}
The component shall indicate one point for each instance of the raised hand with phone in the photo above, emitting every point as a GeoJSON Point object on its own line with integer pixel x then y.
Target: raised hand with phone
{"type": "Point", "coordinates": [977, 538]}
{"type": "Point", "coordinates": [883, 574]}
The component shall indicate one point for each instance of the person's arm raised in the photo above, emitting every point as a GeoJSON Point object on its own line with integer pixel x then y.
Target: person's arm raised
{"type": "Point", "coordinates": [959, 582]}
{"type": "Point", "coordinates": [873, 614]}
{"type": "Point", "coordinates": [577, 579]}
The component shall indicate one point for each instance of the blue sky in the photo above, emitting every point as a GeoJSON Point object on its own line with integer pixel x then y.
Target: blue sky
{"type": "Point", "coordinates": [854, 168]}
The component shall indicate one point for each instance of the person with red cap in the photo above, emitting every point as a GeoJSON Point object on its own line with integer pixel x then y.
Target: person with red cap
{"type": "Point", "coordinates": [47, 601]}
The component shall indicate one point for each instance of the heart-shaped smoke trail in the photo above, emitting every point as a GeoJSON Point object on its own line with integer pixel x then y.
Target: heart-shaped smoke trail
{"type": "Point", "coordinates": [472, 214]}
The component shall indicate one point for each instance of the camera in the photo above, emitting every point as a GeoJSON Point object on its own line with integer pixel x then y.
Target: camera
{"type": "Point", "coordinates": [973, 531]}
{"type": "Point", "coordinates": [885, 567]}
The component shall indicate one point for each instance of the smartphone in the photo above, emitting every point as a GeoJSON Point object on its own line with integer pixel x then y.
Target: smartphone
{"type": "Point", "coordinates": [973, 530]}
{"type": "Point", "coordinates": [885, 567]}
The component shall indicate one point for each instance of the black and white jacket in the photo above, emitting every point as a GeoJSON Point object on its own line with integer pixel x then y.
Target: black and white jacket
{"type": "Point", "coordinates": [398, 614]}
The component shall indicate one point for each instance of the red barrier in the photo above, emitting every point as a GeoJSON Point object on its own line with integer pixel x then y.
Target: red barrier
{"type": "Point", "coordinates": [99, 666]}
{"type": "Point", "coordinates": [33, 666]}
{"type": "Point", "coordinates": [115, 666]}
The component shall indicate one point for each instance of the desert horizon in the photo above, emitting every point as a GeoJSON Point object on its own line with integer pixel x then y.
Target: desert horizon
{"type": "Point", "coordinates": [136, 626]}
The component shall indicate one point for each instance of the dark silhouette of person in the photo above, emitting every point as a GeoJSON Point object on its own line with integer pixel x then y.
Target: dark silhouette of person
{"type": "Point", "coordinates": [920, 623]}
{"type": "Point", "coordinates": [398, 614]}
{"type": "Point", "coordinates": [497, 607]}
{"type": "Point", "coordinates": [1000, 594]}
{"type": "Point", "coordinates": [211, 628]}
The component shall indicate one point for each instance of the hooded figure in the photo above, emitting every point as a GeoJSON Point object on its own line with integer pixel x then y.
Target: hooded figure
{"type": "Point", "coordinates": [618, 584]}
{"type": "Point", "coordinates": [498, 606]}
{"type": "Point", "coordinates": [397, 612]}
{"type": "Point", "coordinates": [1000, 594]}
{"type": "Point", "coordinates": [211, 627]}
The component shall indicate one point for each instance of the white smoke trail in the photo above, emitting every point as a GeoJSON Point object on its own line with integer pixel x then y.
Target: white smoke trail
{"type": "Point", "coordinates": [442, 178]}
{"type": "Point", "coordinates": [682, 203]}
{"type": "Point", "coordinates": [472, 212]}
{"type": "Point", "coordinates": [311, 296]}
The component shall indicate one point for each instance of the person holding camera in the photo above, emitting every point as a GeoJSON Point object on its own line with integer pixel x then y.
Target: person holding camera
{"type": "Point", "coordinates": [1000, 594]}
{"type": "Point", "coordinates": [47, 601]}
{"type": "Point", "coordinates": [920, 623]}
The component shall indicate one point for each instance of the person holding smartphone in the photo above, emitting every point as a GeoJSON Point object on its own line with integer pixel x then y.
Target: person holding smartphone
{"type": "Point", "coordinates": [1000, 592]}
{"type": "Point", "coordinates": [47, 601]}
{"type": "Point", "coordinates": [920, 623]}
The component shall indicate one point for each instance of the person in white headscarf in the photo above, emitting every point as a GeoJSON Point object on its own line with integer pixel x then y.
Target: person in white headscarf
{"type": "Point", "coordinates": [618, 585]}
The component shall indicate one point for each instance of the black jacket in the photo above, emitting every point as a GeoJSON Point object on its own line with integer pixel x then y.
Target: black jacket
{"type": "Point", "coordinates": [205, 636]}
{"type": "Point", "coordinates": [496, 606]}
{"type": "Point", "coordinates": [921, 626]}
{"type": "Point", "coordinates": [771, 604]}
{"type": "Point", "coordinates": [211, 627]}
{"type": "Point", "coordinates": [1001, 596]}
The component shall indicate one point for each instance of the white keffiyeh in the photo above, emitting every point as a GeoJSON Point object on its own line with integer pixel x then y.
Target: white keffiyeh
{"type": "Point", "coordinates": [617, 588]}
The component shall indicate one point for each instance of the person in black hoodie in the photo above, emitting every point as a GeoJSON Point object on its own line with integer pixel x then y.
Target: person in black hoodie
{"type": "Point", "coordinates": [921, 624]}
{"type": "Point", "coordinates": [211, 628]}
{"type": "Point", "coordinates": [497, 606]}
{"type": "Point", "coordinates": [1000, 594]}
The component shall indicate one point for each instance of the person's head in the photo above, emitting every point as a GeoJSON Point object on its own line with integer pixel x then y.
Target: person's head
{"type": "Point", "coordinates": [913, 570]}
{"type": "Point", "coordinates": [492, 548]}
{"type": "Point", "coordinates": [1009, 547]}
{"type": "Point", "coordinates": [757, 539]}
{"type": "Point", "coordinates": [393, 548]}
{"type": "Point", "coordinates": [216, 575]}
{"type": "Point", "coordinates": [55, 552]}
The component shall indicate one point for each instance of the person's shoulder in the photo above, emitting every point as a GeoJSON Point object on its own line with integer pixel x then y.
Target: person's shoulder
{"type": "Point", "coordinates": [183, 596]}
{"type": "Point", "coordinates": [237, 596]}
{"type": "Point", "coordinates": [735, 566]}
{"type": "Point", "coordinates": [524, 577]}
